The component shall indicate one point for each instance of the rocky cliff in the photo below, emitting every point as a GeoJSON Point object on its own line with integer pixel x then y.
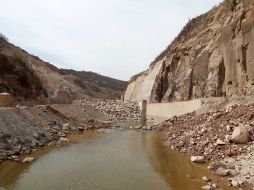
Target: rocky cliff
{"type": "Point", "coordinates": [27, 77]}
{"type": "Point", "coordinates": [212, 56]}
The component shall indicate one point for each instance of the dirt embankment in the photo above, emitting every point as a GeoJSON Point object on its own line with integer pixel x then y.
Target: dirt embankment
{"type": "Point", "coordinates": [23, 129]}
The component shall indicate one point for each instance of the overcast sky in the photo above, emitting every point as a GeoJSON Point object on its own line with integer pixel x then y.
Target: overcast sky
{"type": "Point", "coordinates": [117, 38]}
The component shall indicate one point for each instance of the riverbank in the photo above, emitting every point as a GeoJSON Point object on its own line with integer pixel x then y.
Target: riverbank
{"type": "Point", "coordinates": [24, 129]}
{"type": "Point", "coordinates": [120, 158]}
{"type": "Point", "coordinates": [224, 138]}
{"type": "Point", "coordinates": [212, 135]}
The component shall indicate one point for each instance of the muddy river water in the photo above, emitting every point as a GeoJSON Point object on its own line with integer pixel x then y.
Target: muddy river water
{"type": "Point", "coordinates": [113, 159]}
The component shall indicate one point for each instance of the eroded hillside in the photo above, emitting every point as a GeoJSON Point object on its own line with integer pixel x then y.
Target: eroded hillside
{"type": "Point", "coordinates": [98, 85]}
{"type": "Point", "coordinates": [27, 77]}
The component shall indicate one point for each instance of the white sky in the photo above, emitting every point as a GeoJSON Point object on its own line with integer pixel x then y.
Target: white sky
{"type": "Point", "coordinates": [117, 38]}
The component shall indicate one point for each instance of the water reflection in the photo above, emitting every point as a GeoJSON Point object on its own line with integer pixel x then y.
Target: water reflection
{"type": "Point", "coordinates": [113, 160]}
{"type": "Point", "coordinates": [176, 169]}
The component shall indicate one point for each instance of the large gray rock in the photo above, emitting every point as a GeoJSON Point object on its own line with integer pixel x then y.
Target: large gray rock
{"type": "Point", "coordinates": [235, 183]}
{"type": "Point", "coordinates": [207, 187]}
{"type": "Point", "coordinates": [198, 159]}
{"type": "Point", "coordinates": [28, 159]}
{"type": "Point", "coordinates": [240, 135]}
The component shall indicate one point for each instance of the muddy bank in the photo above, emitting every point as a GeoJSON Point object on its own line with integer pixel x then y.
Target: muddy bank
{"type": "Point", "coordinates": [23, 129]}
{"type": "Point", "coordinates": [217, 135]}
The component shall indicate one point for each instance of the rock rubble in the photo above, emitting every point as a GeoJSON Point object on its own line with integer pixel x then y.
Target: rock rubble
{"type": "Point", "coordinates": [214, 135]}
{"type": "Point", "coordinates": [23, 129]}
{"type": "Point", "coordinates": [115, 110]}
{"type": "Point", "coordinates": [224, 137]}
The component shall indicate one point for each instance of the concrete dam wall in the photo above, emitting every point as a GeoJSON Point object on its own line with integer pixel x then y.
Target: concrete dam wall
{"type": "Point", "coordinates": [163, 111]}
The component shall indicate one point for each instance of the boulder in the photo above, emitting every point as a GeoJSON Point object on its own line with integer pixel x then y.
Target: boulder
{"type": "Point", "coordinates": [66, 127]}
{"type": "Point", "coordinates": [198, 159]}
{"type": "Point", "coordinates": [206, 179]}
{"type": "Point", "coordinates": [36, 136]}
{"type": "Point", "coordinates": [53, 143]}
{"type": "Point", "coordinates": [222, 172]}
{"type": "Point", "coordinates": [229, 128]}
{"type": "Point", "coordinates": [64, 140]}
{"type": "Point", "coordinates": [207, 187]}
{"type": "Point", "coordinates": [249, 116]}
{"type": "Point", "coordinates": [149, 127]}
{"type": "Point", "coordinates": [144, 128]}
{"type": "Point", "coordinates": [138, 127]}
{"type": "Point", "coordinates": [240, 135]}
{"type": "Point", "coordinates": [235, 183]}
{"type": "Point", "coordinates": [80, 129]}
{"type": "Point", "coordinates": [230, 152]}
{"type": "Point", "coordinates": [28, 160]}
{"type": "Point", "coordinates": [220, 142]}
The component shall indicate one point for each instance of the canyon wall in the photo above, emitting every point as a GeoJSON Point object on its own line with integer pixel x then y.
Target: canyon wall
{"type": "Point", "coordinates": [213, 56]}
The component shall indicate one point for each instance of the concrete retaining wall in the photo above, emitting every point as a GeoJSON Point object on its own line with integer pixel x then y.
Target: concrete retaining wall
{"type": "Point", "coordinates": [163, 111]}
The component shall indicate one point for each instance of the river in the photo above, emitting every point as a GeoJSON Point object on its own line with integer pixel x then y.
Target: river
{"type": "Point", "coordinates": [112, 159]}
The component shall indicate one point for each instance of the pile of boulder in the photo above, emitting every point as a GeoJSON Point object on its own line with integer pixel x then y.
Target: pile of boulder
{"type": "Point", "coordinates": [115, 110]}
{"type": "Point", "coordinates": [239, 169]}
{"type": "Point", "coordinates": [11, 146]}
{"type": "Point", "coordinates": [213, 135]}
{"type": "Point", "coordinates": [224, 137]}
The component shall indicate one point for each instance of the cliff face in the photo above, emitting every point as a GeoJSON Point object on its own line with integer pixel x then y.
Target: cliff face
{"type": "Point", "coordinates": [27, 77]}
{"type": "Point", "coordinates": [212, 56]}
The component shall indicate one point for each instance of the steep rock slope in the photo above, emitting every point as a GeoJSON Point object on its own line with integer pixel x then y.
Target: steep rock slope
{"type": "Point", "coordinates": [27, 77]}
{"type": "Point", "coordinates": [212, 56]}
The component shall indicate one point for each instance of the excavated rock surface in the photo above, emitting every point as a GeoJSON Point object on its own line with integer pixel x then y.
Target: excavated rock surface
{"type": "Point", "coordinates": [208, 134]}
{"type": "Point", "coordinates": [212, 56]}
